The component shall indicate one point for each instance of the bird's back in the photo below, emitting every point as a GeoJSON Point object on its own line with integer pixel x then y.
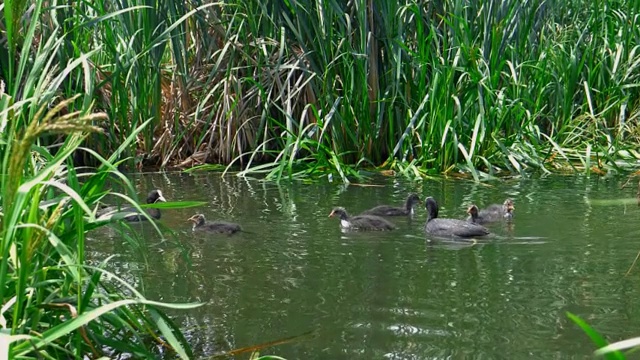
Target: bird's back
{"type": "Point", "coordinates": [220, 227]}
{"type": "Point", "coordinates": [454, 227]}
{"type": "Point", "coordinates": [371, 222]}
{"type": "Point", "coordinates": [385, 210]}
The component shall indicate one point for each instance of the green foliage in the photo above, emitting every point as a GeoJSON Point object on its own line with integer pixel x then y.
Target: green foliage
{"type": "Point", "coordinates": [256, 356]}
{"type": "Point", "coordinates": [633, 344]}
{"type": "Point", "coordinates": [54, 305]}
{"type": "Point", "coordinates": [317, 87]}
{"type": "Point", "coordinates": [304, 88]}
{"type": "Point", "coordinates": [611, 351]}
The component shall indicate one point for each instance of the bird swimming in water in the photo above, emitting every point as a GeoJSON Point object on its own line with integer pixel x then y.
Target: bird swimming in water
{"type": "Point", "coordinates": [449, 227]}
{"type": "Point", "coordinates": [361, 222]}
{"type": "Point", "coordinates": [493, 213]}
{"type": "Point", "coordinates": [388, 210]}
{"type": "Point", "coordinates": [131, 214]}
{"type": "Point", "coordinates": [217, 227]}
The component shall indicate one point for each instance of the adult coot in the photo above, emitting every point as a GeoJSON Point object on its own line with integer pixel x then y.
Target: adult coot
{"type": "Point", "coordinates": [132, 214]}
{"type": "Point", "coordinates": [388, 210]}
{"type": "Point", "coordinates": [449, 227]}
{"type": "Point", "coordinates": [361, 222]}
{"type": "Point", "coordinates": [217, 227]}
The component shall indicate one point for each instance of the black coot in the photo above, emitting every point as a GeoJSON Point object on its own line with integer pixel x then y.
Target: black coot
{"type": "Point", "coordinates": [388, 210]}
{"type": "Point", "coordinates": [450, 227]}
{"type": "Point", "coordinates": [132, 214]}
{"type": "Point", "coordinates": [361, 222]}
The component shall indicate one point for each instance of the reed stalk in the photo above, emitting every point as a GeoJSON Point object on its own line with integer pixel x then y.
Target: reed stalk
{"type": "Point", "coordinates": [54, 304]}
{"type": "Point", "coordinates": [308, 88]}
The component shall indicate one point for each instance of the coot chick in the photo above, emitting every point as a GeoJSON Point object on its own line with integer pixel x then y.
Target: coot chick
{"type": "Point", "coordinates": [472, 210]}
{"type": "Point", "coordinates": [133, 215]}
{"type": "Point", "coordinates": [217, 227]}
{"type": "Point", "coordinates": [387, 210]}
{"type": "Point", "coordinates": [450, 227]}
{"type": "Point", "coordinates": [361, 222]}
{"type": "Point", "coordinates": [493, 213]}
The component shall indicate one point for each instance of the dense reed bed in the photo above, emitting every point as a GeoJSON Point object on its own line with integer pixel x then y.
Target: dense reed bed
{"type": "Point", "coordinates": [293, 89]}
{"type": "Point", "coordinates": [301, 88]}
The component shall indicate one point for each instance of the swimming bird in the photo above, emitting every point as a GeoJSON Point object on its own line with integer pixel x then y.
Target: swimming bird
{"type": "Point", "coordinates": [388, 210]}
{"type": "Point", "coordinates": [493, 213]}
{"type": "Point", "coordinates": [217, 227]}
{"type": "Point", "coordinates": [472, 210]}
{"type": "Point", "coordinates": [133, 214]}
{"type": "Point", "coordinates": [361, 222]}
{"type": "Point", "coordinates": [449, 227]}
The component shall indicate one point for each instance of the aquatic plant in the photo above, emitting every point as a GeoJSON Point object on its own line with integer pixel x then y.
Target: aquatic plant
{"type": "Point", "coordinates": [306, 88]}
{"type": "Point", "coordinates": [480, 87]}
{"type": "Point", "coordinates": [257, 356]}
{"type": "Point", "coordinates": [55, 303]}
{"type": "Point", "coordinates": [610, 351]}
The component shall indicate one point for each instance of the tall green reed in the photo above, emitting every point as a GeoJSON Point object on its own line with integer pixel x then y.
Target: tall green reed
{"type": "Point", "coordinates": [482, 88]}
{"type": "Point", "coordinates": [305, 87]}
{"type": "Point", "coordinates": [608, 351]}
{"type": "Point", "coordinates": [54, 304]}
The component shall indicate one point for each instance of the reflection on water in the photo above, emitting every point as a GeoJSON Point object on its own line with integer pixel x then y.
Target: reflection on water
{"type": "Point", "coordinates": [390, 295]}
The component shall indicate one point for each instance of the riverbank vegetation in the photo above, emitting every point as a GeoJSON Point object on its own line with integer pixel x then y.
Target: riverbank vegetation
{"type": "Point", "coordinates": [302, 88]}
{"type": "Point", "coordinates": [286, 89]}
{"type": "Point", "coordinates": [56, 302]}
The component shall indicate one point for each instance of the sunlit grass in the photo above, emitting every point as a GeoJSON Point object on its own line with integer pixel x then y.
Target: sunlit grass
{"type": "Point", "coordinates": [485, 89]}
{"type": "Point", "coordinates": [305, 89]}
{"type": "Point", "coordinates": [297, 89]}
{"type": "Point", "coordinates": [54, 304]}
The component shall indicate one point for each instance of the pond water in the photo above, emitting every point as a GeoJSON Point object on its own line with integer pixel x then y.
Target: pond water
{"type": "Point", "coordinates": [390, 295]}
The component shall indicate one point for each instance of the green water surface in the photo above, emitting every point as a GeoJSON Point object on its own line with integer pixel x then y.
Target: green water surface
{"type": "Point", "coordinates": [390, 295]}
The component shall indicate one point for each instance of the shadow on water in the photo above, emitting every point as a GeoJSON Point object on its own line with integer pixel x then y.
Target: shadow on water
{"type": "Point", "coordinates": [389, 294]}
